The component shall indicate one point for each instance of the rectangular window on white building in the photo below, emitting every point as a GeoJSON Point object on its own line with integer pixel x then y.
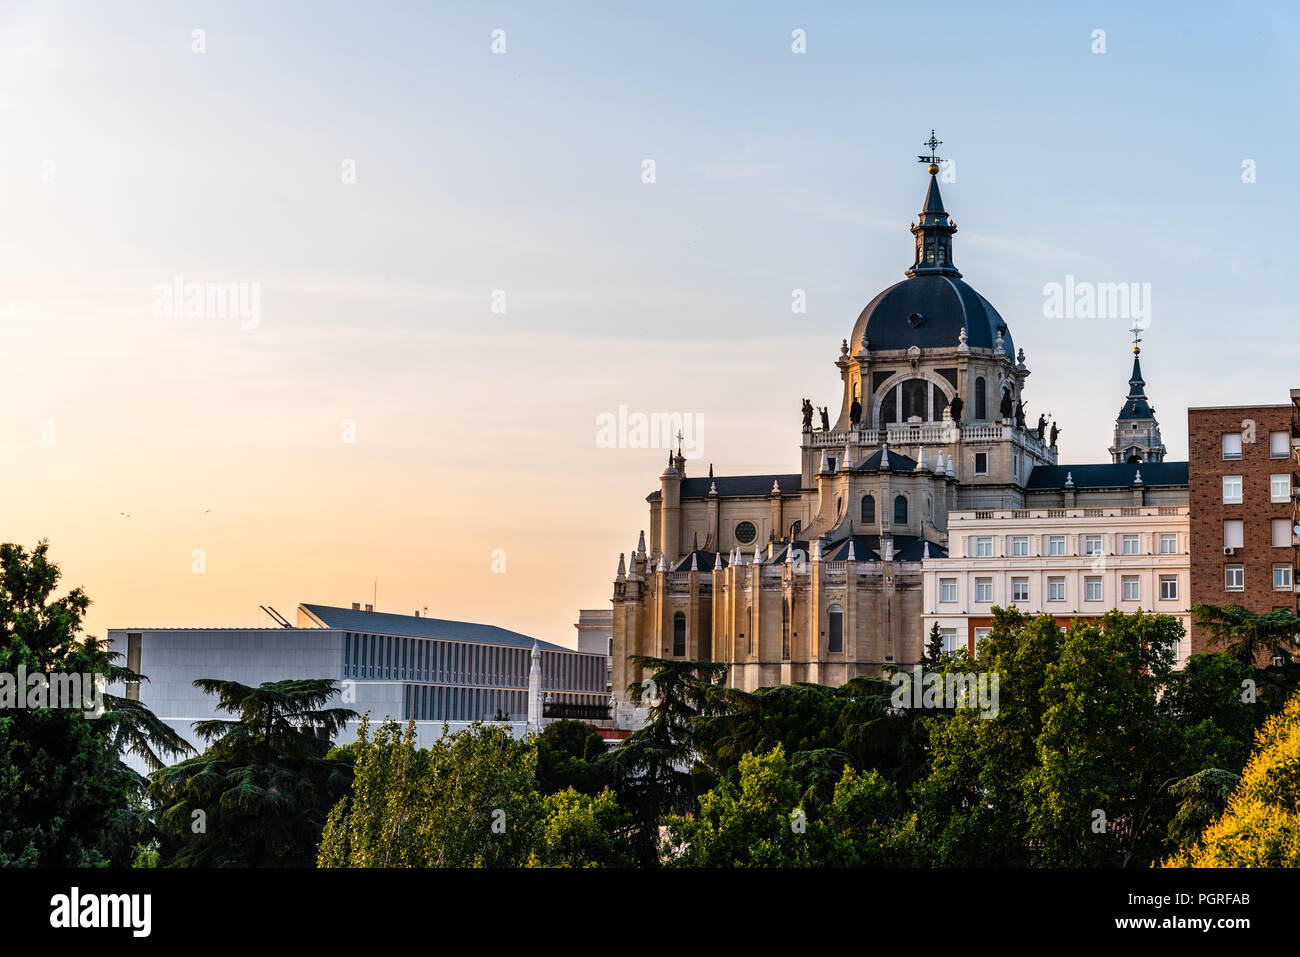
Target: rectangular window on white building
{"type": "Point", "coordinates": [1234, 577]}
{"type": "Point", "coordinates": [1281, 577]}
{"type": "Point", "coordinates": [981, 463]}
{"type": "Point", "coordinates": [1131, 588]}
{"type": "Point", "coordinates": [984, 589]}
{"type": "Point", "coordinates": [983, 548]}
{"type": "Point", "coordinates": [1280, 487]}
{"type": "Point", "coordinates": [1092, 589]}
{"type": "Point", "coordinates": [1231, 445]}
{"type": "Point", "coordinates": [1130, 544]}
{"type": "Point", "coordinates": [1056, 589]}
{"type": "Point", "coordinates": [947, 589]}
{"type": "Point", "coordinates": [1233, 533]}
{"type": "Point", "coordinates": [1020, 589]}
{"type": "Point", "coordinates": [1168, 587]}
{"type": "Point", "coordinates": [1092, 544]}
{"type": "Point", "coordinates": [980, 635]}
{"type": "Point", "coordinates": [1055, 544]}
{"type": "Point", "coordinates": [949, 636]}
{"type": "Point", "coordinates": [1168, 543]}
{"type": "Point", "coordinates": [1232, 490]}
{"type": "Point", "coordinates": [1281, 533]}
{"type": "Point", "coordinates": [1279, 445]}
{"type": "Point", "coordinates": [1020, 546]}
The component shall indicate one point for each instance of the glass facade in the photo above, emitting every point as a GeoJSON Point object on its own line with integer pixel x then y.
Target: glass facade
{"type": "Point", "coordinates": [468, 681]}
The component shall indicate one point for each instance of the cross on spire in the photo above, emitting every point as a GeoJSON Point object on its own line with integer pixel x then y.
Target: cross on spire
{"type": "Point", "coordinates": [1136, 332]}
{"type": "Point", "coordinates": [932, 158]}
{"type": "Point", "coordinates": [679, 441]}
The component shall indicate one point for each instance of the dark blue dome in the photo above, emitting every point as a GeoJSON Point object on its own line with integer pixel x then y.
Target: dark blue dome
{"type": "Point", "coordinates": [928, 312]}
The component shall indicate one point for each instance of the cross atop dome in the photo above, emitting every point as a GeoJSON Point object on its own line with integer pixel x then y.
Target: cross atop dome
{"type": "Point", "coordinates": [933, 158]}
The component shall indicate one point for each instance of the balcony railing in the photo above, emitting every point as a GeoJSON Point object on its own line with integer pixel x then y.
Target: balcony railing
{"type": "Point", "coordinates": [990, 515]}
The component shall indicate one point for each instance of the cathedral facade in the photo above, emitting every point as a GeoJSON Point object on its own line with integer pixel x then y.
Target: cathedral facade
{"type": "Point", "coordinates": [817, 575]}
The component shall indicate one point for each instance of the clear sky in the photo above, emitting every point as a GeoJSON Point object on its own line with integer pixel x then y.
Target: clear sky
{"type": "Point", "coordinates": [127, 159]}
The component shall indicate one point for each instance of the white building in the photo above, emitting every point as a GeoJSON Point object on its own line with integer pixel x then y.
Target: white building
{"type": "Point", "coordinates": [1067, 562]}
{"type": "Point", "coordinates": [596, 636]}
{"type": "Point", "coordinates": [395, 666]}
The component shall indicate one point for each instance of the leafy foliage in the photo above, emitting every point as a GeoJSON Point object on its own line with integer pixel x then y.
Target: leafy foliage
{"type": "Point", "coordinates": [69, 800]}
{"type": "Point", "coordinates": [654, 764]}
{"type": "Point", "coordinates": [1250, 636]}
{"type": "Point", "coordinates": [1261, 825]}
{"type": "Point", "coordinates": [259, 795]}
{"type": "Point", "coordinates": [469, 801]}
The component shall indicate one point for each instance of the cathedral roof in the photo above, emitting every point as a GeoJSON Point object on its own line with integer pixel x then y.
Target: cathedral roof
{"type": "Point", "coordinates": [1136, 405]}
{"type": "Point", "coordinates": [929, 312]}
{"type": "Point", "coordinates": [930, 307]}
{"type": "Point", "coordinates": [1120, 475]}
{"type": "Point", "coordinates": [898, 462]}
{"type": "Point", "coordinates": [730, 486]}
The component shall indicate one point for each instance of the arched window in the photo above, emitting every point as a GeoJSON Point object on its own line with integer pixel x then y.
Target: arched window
{"type": "Point", "coordinates": [900, 510]}
{"type": "Point", "coordinates": [679, 635]}
{"type": "Point", "coordinates": [914, 396]}
{"type": "Point", "coordinates": [940, 402]}
{"type": "Point", "coordinates": [980, 405]}
{"type": "Point", "coordinates": [868, 510]}
{"type": "Point", "coordinates": [794, 530]}
{"type": "Point", "coordinates": [835, 629]}
{"type": "Point", "coordinates": [889, 407]}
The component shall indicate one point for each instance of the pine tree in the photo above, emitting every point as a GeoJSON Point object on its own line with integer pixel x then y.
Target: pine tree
{"type": "Point", "coordinates": [934, 647]}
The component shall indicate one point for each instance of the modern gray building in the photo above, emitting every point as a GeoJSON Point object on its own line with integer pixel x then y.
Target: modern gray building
{"type": "Point", "coordinates": [406, 667]}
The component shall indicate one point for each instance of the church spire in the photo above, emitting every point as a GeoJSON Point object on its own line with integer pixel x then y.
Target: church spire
{"type": "Point", "coordinates": [1137, 433]}
{"type": "Point", "coordinates": [934, 228]}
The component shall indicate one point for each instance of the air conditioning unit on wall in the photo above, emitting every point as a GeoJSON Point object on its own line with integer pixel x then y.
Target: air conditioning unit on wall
{"type": "Point", "coordinates": [1227, 550]}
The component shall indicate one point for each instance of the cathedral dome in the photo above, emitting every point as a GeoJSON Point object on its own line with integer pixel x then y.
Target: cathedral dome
{"type": "Point", "coordinates": [929, 311]}
{"type": "Point", "coordinates": [932, 305]}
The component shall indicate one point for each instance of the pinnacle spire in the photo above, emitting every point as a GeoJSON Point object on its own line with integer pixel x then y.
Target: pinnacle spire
{"type": "Point", "coordinates": [934, 228]}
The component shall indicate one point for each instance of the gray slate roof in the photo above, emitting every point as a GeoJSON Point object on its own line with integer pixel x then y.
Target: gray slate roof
{"type": "Point", "coordinates": [1107, 475]}
{"type": "Point", "coordinates": [733, 485]}
{"type": "Point", "coordinates": [384, 623]}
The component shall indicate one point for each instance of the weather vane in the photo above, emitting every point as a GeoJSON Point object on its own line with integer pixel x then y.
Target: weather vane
{"type": "Point", "coordinates": [1136, 332]}
{"type": "Point", "coordinates": [933, 158]}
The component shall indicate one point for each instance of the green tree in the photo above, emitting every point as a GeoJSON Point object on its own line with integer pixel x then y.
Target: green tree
{"type": "Point", "coordinates": [69, 799]}
{"type": "Point", "coordinates": [972, 808]}
{"type": "Point", "coordinates": [1106, 746]}
{"type": "Point", "coordinates": [1250, 636]}
{"type": "Point", "coordinates": [579, 830]}
{"type": "Point", "coordinates": [654, 764]}
{"type": "Point", "coordinates": [1202, 797]}
{"type": "Point", "coordinates": [764, 819]}
{"type": "Point", "coordinates": [469, 801]}
{"type": "Point", "coordinates": [758, 821]}
{"type": "Point", "coordinates": [259, 794]}
{"type": "Point", "coordinates": [569, 755]}
{"type": "Point", "coordinates": [934, 647]}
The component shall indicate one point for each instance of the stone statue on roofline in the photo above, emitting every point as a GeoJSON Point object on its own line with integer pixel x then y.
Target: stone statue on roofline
{"type": "Point", "coordinates": [956, 408]}
{"type": "Point", "coordinates": [855, 412]}
{"type": "Point", "coordinates": [807, 415]}
{"type": "Point", "coordinates": [826, 420]}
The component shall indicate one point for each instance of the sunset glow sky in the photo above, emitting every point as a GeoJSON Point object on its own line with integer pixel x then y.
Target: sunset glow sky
{"type": "Point", "coordinates": [127, 159]}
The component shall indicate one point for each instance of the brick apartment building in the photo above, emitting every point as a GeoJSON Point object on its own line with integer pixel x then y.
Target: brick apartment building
{"type": "Point", "coordinates": [1242, 487]}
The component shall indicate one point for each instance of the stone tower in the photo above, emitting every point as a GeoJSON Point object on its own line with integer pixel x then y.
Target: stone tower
{"type": "Point", "coordinates": [1137, 433]}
